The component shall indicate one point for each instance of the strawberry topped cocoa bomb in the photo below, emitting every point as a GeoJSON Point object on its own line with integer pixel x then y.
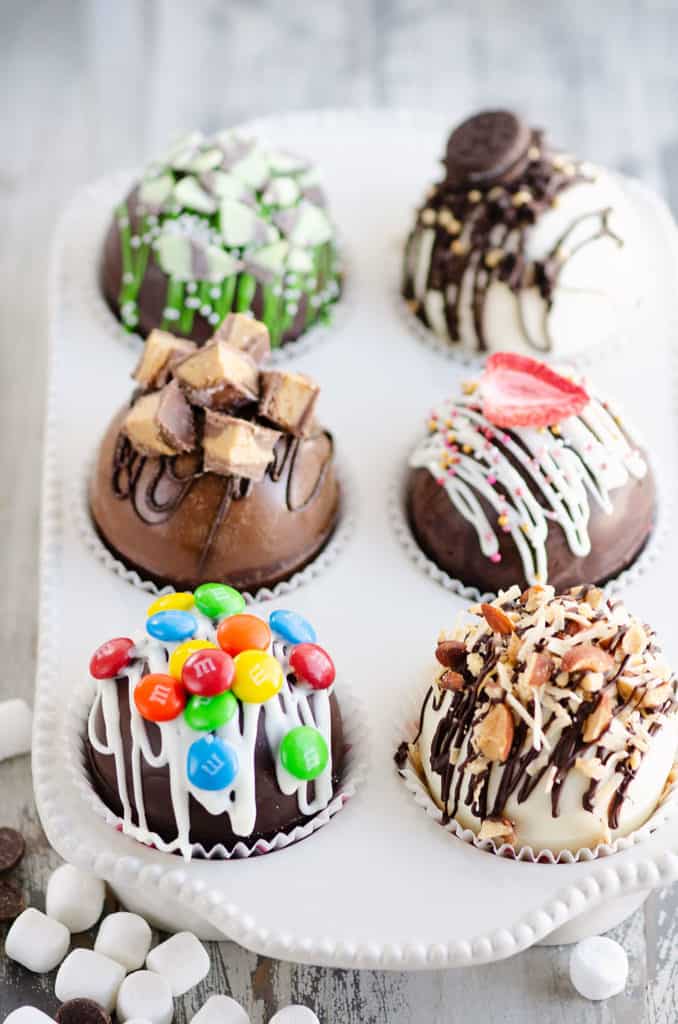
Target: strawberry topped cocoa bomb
{"type": "Point", "coordinates": [529, 476]}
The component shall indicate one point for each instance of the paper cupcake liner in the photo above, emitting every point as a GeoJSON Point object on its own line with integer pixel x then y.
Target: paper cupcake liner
{"type": "Point", "coordinates": [86, 299]}
{"type": "Point", "coordinates": [354, 774]}
{"type": "Point", "coordinates": [644, 561]}
{"type": "Point", "coordinates": [406, 729]}
{"type": "Point", "coordinates": [93, 542]}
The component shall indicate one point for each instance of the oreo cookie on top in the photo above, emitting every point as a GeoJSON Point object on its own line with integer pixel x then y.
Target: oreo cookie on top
{"type": "Point", "coordinates": [520, 246]}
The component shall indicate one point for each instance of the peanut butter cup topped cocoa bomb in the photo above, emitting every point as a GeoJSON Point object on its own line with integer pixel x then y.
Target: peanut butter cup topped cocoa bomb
{"type": "Point", "coordinates": [222, 224]}
{"type": "Point", "coordinates": [520, 246]}
{"type": "Point", "coordinates": [527, 476]}
{"type": "Point", "coordinates": [218, 470]}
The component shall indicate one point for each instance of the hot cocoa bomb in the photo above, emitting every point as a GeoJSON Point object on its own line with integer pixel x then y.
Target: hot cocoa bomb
{"type": "Point", "coordinates": [214, 728]}
{"type": "Point", "coordinates": [218, 469]}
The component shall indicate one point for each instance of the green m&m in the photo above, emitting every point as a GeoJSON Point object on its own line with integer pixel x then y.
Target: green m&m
{"type": "Point", "coordinates": [304, 753]}
{"type": "Point", "coordinates": [217, 600]}
{"type": "Point", "coordinates": [205, 714]}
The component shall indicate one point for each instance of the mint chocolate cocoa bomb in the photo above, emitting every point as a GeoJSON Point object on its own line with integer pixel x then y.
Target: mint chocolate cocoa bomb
{"type": "Point", "coordinates": [222, 224]}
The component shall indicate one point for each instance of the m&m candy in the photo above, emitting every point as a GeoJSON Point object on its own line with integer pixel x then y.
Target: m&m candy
{"type": "Point", "coordinates": [292, 627]}
{"type": "Point", "coordinates": [216, 600]}
{"type": "Point", "coordinates": [258, 677]}
{"type": "Point", "coordinates": [111, 658]}
{"type": "Point", "coordinates": [243, 633]}
{"type": "Point", "coordinates": [180, 654]}
{"type": "Point", "coordinates": [313, 665]}
{"type": "Point", "coordinates": [211, 764]}
{"type": "Point", "coordinates": [172, 626]}
{"type": "Point", "coordinates": [209, 713]}
{"type": "Point", "coordinates": [207, 673]}
{"type": "Point", "coordinates": [159, 698]}
{"type": "Point", "coordinates": [303, 753]}
{"type": "Point", "coordinates": [182, 602]}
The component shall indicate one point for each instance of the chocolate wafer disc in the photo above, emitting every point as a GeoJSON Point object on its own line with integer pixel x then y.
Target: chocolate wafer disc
{"type": "Point", "coordinates": [12, 848]}
{"type": "Point", "coordinates": [485, 147]}
{"type": "Point", "coordinates": [12, 902]}
{"type": "Point", "coordinates": [82, 1011]}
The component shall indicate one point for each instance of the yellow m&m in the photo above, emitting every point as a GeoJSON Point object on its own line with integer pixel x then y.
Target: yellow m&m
{"type": "Point", "coordinates": [182, 602]}
{"type": "Point", "coordinates": [258, 677]}
{"type": "Point", "coordinates": [181, 653]}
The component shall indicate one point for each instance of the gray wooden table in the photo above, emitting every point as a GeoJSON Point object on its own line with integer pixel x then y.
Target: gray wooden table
{"type": "Point", "coordinates": [90, 85]}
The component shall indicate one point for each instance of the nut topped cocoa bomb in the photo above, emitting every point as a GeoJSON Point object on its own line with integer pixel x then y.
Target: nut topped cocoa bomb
{"type": "Point", "coordinates": [551, 722]}
{"type": "Point", "coordinates": [218, 469]}
{"type": "Point", "coordinates": [529, 477]}
{"type": "Point", "coordinates": [214, 727]}
{"type": "Point", "coordinates": [521, 246]}
{"type": "Point", "coordinates": [222, 225]}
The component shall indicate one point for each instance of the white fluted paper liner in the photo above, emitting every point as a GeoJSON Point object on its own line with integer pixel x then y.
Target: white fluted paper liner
{"type": "Point", "coordinates": [83, 290]}
{"type": "Point", "coordinates": [664, 509]}
{"type": "Point", "coordinates": [406, 730]}
{"type": "Point", "coordinates": [353, 775]}
{"type": "Point", "coordinates": [85, 526]}
{"type": "Point", "coordinates": [628, 330]}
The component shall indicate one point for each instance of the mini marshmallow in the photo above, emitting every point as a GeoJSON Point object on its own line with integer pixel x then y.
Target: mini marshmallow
{"type": "Point", "coordinates": [599, 968]}
{"type": "Point", "coordinates": [221, 1010]}
{"type": "Point", "coordinates": [147, 996]}
{"type": "Point", "coordinates": [16, 726]}
{"type": "Point", "coordinates": [37, 942]}
{"type": "Point", "coordinates": [182, 960]}
{"type": "Point", "coordinates": [126, 938]}
{"type": "Point", "coordinates": [295, 1015]}
{"type": "Point", "coordinates": [88, 975]}
{"type": "Point", "coordinates": [28, 1015]}
{"type": "Point", "coordinates": [75, 898]}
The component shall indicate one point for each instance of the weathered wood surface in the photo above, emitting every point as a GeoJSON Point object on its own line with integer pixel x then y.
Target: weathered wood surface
{"type": "Point", "coordinates": [89, 86]}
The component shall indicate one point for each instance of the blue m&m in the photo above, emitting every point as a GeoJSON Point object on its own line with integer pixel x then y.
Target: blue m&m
{"type": "Point", "coordinates": [172, 626]}
{"type": "Point", "coordinates": [212, 764]}
{"type": "Point", "coordinates": [292, 627]}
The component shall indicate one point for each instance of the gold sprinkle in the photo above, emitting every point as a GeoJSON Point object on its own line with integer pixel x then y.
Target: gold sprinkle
{"type": "Point", "coordinates": [555, 430]}
{"type": "Point", "coordinates": [494, 257]}
{"type": "Point", "coordinates": [474, 196]}
{"type": "Point", "coordinates": [469, 387]}
{"type": "Point", "coordinates": [428, 217]}
{"type": "Point", "coordinates": [503, 520]}
{"type": "Point", "coordinates": [458, 247]}
{"type": "Point", "coordinates": [413, 305]}
{"type": "Point", "coordinates": [522, 197]}
{"type": "Point", "coordinates": [534, 152]}
{"type": "Point", "coordinates": [467, 449]}
{"type": "Point", "coordinates": [496, 192]}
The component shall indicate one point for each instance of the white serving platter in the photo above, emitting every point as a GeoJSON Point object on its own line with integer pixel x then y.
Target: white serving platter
{"type": "Point", "coordinates": [381, 885]}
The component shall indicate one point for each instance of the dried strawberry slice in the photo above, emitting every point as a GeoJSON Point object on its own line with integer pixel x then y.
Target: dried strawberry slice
{"type": "Point", "coordinates": [518, 391]}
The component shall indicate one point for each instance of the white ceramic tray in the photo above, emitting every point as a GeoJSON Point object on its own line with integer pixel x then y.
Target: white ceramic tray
{"type": "Point", "coordinates": [381, 885]}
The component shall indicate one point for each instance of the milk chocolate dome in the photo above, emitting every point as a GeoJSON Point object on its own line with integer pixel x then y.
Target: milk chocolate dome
{"type": "Point", "coordinates": [551, 722]}
{"type": "Point", "coordinates": [521, 246]}
{"type": "Point", "coordinates": [529, 478]}
{"type": "Point", "coordinates": [218, 469]}
{"type": "Point", "coordinates": [214, 728]}
{"type": "Point", "coordinates": [220, 225]}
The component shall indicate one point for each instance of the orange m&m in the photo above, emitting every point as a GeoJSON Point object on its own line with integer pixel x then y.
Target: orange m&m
{"type": "Point", "coordinates": [159, 698]}
{"type": "Point", "coordinates": [243, 633]}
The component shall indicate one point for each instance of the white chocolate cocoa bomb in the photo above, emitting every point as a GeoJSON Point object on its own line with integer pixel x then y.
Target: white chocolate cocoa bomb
{"type": "Point", "coordinates": [551, 724]}
{"type": "Point", "coordinates": [555, 269]}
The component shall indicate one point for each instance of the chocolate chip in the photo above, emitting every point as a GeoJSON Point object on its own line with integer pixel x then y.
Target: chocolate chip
{"type": "Point", "coordinates": [12, 848]}
{"type": "Point", "coordinates": [485, 147]}
{"type": "Point", "coordinates": [82, 1011]}
{"type": "Point", "coordinates": [12, 902]}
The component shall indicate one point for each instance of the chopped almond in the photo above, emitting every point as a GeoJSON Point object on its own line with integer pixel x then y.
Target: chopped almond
{"type": "Point", "coordinates": [493, 735]}
{"type": "Point", "coordinates": [450, 680]}
{"type": "Point", "coordinates": [538, 670]}
{"type": "Point", "coordinates": [497, 620]}
{"type": "Point", "coordinates": [599, 719]}
{"type": "Point", "coordinates": [450, 652]}
{"type": "Point", "coordinates": [655, 697]}
{"type": "Point", "coordinates": [587, 658]}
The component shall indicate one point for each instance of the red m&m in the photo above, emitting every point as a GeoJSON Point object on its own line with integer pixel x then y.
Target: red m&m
{"type": "Point", "coordinates": [111, 658]}
{"type": "Point", "coordinates": [313, 665]}
{"type": "Point", "coordinates": [243, 633]}
{"type": "Point", "coordinates": [159, 698]}
{"type": "Point", "coordinates": [208, 673]}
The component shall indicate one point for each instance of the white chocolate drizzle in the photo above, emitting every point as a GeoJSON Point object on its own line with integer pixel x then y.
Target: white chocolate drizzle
{"type": "Point", "coordinates": [585, 456]}
{"type": "Point", "coordinates": [296, 704]}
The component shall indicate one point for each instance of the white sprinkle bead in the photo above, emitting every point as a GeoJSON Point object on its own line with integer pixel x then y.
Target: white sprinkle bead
{"type": "Point", "coordinates": [221, 1010]}
{"type": "Point", "coordinates": [294, 1015]}
{"type": "Point", "coordinates": [599, 968]}
{"type": "Point", "coordinates": [147, 996]}
{"type": "Point", "coordinates": [182, 960]}
{"type": "Point", "coordinates": [37, 942]}
{"type": "Point", "coordinates": [85, 974]}
{"type": "Point", "coordinates": [75, 897]}
{"type": "Point", "coordinates": [16, 722]}
{"type": "Point", "coordinates": [28, 1015]}
{"type": "Point", "coordinates": [126, 938]}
